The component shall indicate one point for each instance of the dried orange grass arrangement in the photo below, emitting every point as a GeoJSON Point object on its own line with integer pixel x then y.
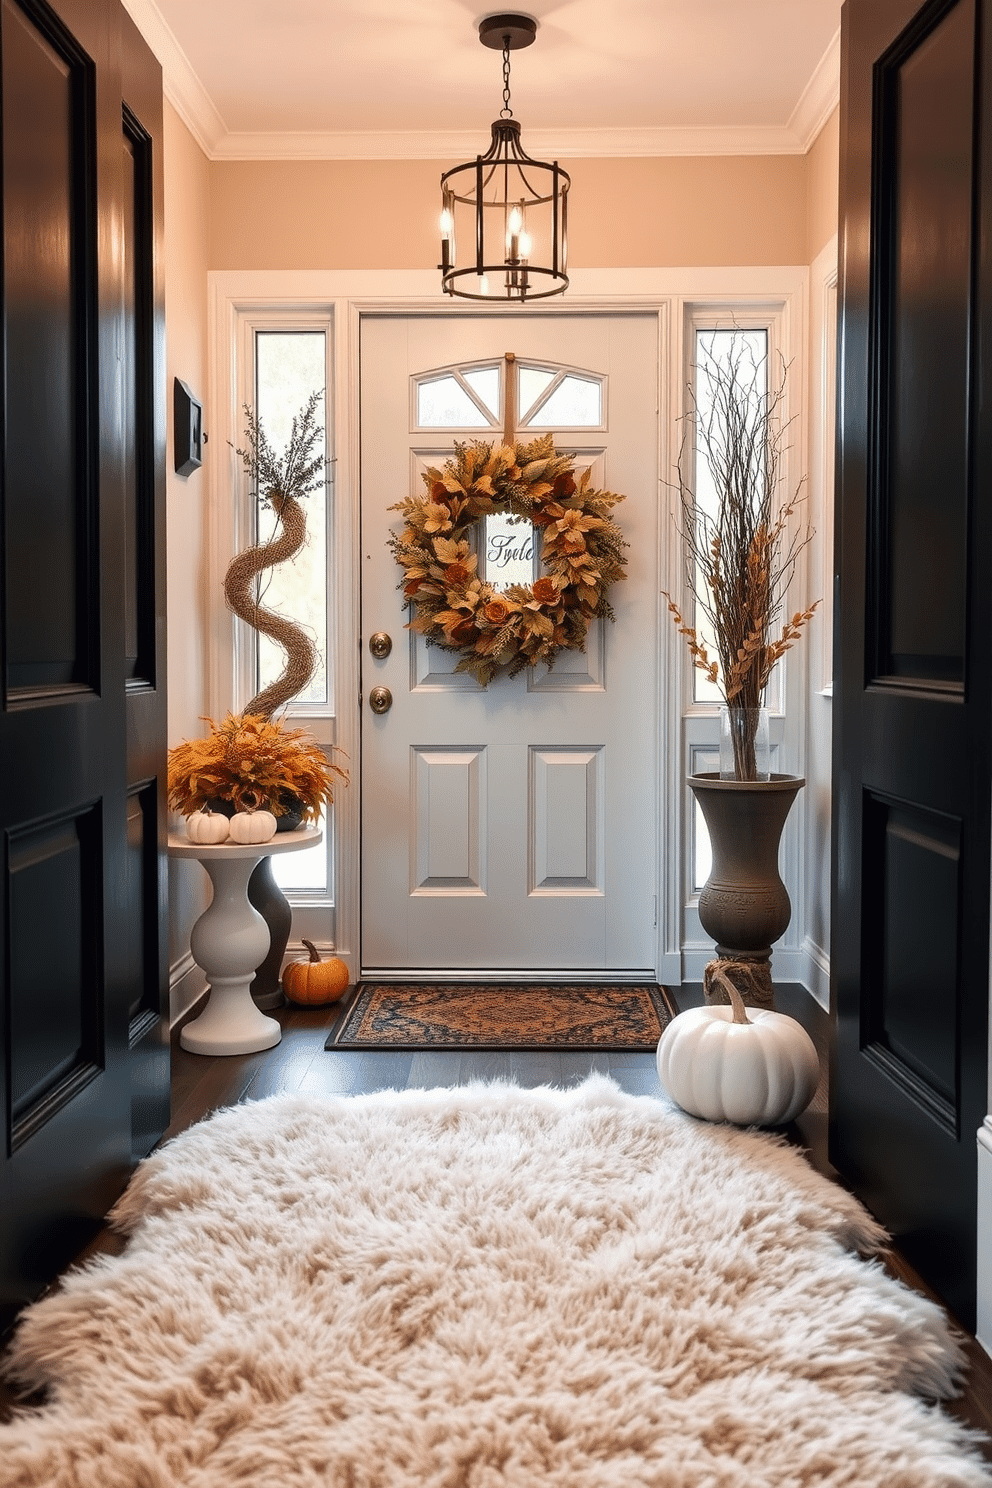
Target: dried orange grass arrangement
{"type": "Point", "coordinates": [252, 763]}
{"type": "Point", "coordinates": [741, 556]}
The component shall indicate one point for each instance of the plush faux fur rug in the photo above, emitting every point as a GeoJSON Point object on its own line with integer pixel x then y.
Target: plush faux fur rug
{"type": "Point", "coordinates": [485, 1287]}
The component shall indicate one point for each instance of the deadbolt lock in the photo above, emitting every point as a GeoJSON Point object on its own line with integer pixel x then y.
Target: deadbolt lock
{"type": "Point", "coordinates": [380, 700]}
{"type": "Point", "coordinates": [380, 645]}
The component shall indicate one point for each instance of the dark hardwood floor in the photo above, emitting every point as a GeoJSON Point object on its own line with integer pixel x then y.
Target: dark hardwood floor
{"type": "Point", "coordinates": [300, 1063]}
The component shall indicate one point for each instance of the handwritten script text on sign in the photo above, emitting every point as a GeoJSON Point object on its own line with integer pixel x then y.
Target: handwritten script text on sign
{"type": "Point", "coordinates": [509, 549]}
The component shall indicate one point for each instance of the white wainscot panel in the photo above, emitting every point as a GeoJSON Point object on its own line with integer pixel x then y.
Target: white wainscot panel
{"type": "Point", "coordinates": [448, 833]}
{"type": "Point", "coordinates": [567, 820]}
{"type": "Point", "coordinates": [574, 671]}
{"type": "Point", "coordinates": [432, 669]}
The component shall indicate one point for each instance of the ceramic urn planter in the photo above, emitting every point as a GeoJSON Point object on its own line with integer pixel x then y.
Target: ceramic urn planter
{"type": "Point", "coordinates": [744, 904]}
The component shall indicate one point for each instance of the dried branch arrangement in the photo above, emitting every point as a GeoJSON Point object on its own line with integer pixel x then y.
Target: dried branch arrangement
{"type": "Point", "coordinates": [741, 556]}
{"type": "Point", "coordinates": [279, 484]}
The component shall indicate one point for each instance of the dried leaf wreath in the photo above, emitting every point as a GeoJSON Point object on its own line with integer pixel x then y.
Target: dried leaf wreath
{"type": "Point", "coordinates": [512, 628]}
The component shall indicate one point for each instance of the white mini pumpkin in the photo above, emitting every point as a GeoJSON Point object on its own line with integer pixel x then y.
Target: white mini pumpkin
{"type": "Point", "coordinates": [252, 826]}
{"type": "Point", "coordinates": [750, 1066]}
{"type": "Point", "coordinates": [207, 827]}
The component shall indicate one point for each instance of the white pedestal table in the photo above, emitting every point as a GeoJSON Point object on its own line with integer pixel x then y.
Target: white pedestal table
{"type": "Point", "coordinates": [229, 940]}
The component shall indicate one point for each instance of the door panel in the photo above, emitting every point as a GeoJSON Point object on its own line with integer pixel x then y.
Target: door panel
{"type": "Point", "coordinates": [512, 828]}
{"type": "Point", "coordinates": [567, 789]}
{"type": "Point", "coordinates": [54, 1017]}
{"type": "Point", "coordinates": [912, 739]}
{"type": "Point", "coordinates": [77, 858]}
{"type": "Point", "coordinates": [50, 630]}
{"type": "Point", "coordinates": [927, 173]}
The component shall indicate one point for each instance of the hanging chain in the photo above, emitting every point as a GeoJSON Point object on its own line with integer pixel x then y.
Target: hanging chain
{"type": "Point", "coordinates": [506, 112]}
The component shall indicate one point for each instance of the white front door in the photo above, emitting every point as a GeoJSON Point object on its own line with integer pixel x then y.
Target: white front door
{"type": "Point", "coordinates": [512, 828]}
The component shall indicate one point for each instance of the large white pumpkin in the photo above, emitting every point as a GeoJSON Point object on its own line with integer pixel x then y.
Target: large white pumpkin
{"type": "Point", "coordinates": [746, 1065]}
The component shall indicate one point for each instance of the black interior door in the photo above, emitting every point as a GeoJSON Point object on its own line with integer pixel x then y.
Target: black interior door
{"type": "Point", "coordinates": [146, 919]}
{"type": "Point", "coordinates": [912, 744]}
{"type": "Point", "coordinates": [83, 1076]}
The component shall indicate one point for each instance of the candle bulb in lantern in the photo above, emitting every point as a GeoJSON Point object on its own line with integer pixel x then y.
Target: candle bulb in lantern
{"type": "Point", "coordinates": [513, 227]}
{"type": "Point", "coordinates": [447, 238]}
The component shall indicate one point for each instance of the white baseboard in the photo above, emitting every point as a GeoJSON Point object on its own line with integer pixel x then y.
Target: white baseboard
{"type": "Point", "coordinates": [187, 983]}
{"type": "Point", "coordinates": [983, 1325]}
{"type": "Point", "coordinates": [670, 969]}
{"type": "Point", "coordinates": [817, 977]}
{"type": "Point", "coordinates": [805, 964]}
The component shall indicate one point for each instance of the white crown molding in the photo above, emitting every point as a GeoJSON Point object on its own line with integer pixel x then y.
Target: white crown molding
{"type": "Point", "coordinates": [191, 101]}
{"type": "Point", "coordinates": [546, 144]}
{"type": "Point", "coordinates": [820, 96]}
{"type": "Point", "coordinates": [180, 83]}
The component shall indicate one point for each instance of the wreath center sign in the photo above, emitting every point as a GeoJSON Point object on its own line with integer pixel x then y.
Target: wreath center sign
{"type": "Point", "coordinates": [497, 629]}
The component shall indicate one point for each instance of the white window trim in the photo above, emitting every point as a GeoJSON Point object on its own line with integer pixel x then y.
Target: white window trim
{"type": "Point", "coordinates": [783, 319]}
{"type": "Point", "coordinates": [823, 398]}
{"type": "Point", "coordinates": [241, 504]}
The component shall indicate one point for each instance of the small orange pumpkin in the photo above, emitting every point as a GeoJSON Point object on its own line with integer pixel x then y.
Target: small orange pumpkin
{"type": "Point", "coordinates": [315, 982]}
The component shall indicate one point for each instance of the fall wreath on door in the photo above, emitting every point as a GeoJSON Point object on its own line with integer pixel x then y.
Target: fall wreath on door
{"type": "Point", "coordinates": [497, 630]}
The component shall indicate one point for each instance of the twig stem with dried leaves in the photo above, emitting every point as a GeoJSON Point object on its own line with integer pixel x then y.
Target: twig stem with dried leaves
{"type": "Point", "coordinates": [741, 555]}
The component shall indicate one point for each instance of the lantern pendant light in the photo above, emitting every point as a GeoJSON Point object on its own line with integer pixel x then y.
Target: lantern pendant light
{"type": "Point", "coordinates": [506, 212]}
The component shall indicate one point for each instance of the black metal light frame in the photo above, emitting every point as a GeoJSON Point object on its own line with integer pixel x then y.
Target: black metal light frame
{"type": "Point", "coordinates": [518, 186]}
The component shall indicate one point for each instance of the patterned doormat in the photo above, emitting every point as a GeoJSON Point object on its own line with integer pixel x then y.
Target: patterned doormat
{"type": "Point", "coordinates": [450, 1015]}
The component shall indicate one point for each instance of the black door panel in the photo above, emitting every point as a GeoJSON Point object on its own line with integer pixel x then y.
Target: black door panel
{"type": "Point", "coordinates": [913, 698]}
{"type": "Point", "coordinates": [81, 734]}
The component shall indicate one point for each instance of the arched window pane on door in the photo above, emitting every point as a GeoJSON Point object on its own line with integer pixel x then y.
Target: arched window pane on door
{"type": "Point", "coordinates": [473, 397]}
{"type": "Point", "coordinates": [447, 402]}
{"type": "Point", "coordinates": [576, 403]}
{"type": "Point", "coordinates": [484, 382]}
{"type": "Point", "coordinates": [532, 383]}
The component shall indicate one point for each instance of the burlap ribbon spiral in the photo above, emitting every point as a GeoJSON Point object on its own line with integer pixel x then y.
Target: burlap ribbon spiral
{"type": "Point", "coordinates": [239, 591]}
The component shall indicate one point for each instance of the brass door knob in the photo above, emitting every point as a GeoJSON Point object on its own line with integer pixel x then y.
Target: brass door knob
{"type": "Point", "coordinates": [380, 700]}
{"type": "Point", "coordinates": [380, 645]}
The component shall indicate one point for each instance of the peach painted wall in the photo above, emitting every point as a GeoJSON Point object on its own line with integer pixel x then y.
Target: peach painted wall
{"type": "Point", "coordinates": [635, 213]}
{"type": "Point", "coordinates": [187, 212]}
{"type": "Point", "coordinates": [823, 168]}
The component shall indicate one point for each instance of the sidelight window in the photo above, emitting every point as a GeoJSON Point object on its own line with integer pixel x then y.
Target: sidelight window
{"type": "Point", "coordinates": [284, 363]}
{"type": "Point", "coordinates": [713, 347]}
{"type": "Point", "coordinates": [289, 366]}
{"type": "Point", "coordinates": [712, 344]}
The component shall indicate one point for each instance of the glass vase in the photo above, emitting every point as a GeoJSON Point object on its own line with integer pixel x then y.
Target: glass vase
{"type": "Point", "coordinates": [744, 748]}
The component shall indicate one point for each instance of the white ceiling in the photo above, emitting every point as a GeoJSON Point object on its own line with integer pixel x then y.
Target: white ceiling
{"type": "Point", "coordinates": [397, 79]}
